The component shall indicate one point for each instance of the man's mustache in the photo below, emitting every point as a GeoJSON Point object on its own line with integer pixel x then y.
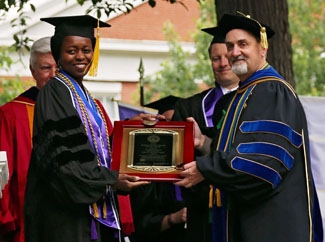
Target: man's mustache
{"type": "Point", "coordinates": [236, 58]}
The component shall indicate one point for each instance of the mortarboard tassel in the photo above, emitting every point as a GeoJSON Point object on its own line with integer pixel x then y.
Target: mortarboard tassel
{"type": "Point", "coordinates": [264, 42]}
{"type": "Point", "coordinates": [94, 62]}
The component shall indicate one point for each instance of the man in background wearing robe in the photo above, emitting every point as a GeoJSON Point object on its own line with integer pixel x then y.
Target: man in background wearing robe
{"type": "Point", "coordinates": [201, 107]}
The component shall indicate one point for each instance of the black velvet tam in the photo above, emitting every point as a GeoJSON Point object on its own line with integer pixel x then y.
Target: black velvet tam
{"type": "Point", "coordinates": [229, 22]}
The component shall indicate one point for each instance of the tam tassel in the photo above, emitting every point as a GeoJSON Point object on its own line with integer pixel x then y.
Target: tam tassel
{"type": "Point", "coordinates": [264, 42]}
{"type": "Point", "coordinates": [95, 208]}
{"type": "Point", "coordinates": [94, 63]}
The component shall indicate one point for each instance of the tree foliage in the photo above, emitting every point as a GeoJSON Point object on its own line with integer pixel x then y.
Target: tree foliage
{"type": "Point", "coordinates": [10, 88]}
{"type": "Point", "coordinates": [109, 7]}
{"type": "Point", "coordinates": [307, 19]}
{"type": "Point", "coordinates": [21, 41]}
{"type": "Point", "coordinates": [5, 60]}
{"type": "Point", "coordinates": [176, 77]}
{"type": "Point", "coordinates": [106, 5]}
{"type": "Point", "coordinates": [8, 4]}
{"type": "Point", "coordinates": [202, 69]}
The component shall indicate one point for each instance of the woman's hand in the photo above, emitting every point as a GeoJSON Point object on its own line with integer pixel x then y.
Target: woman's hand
{"type": "Point", "coordinates": [126, 182]}
{"type": "Point", "coordinates": [149, 117]}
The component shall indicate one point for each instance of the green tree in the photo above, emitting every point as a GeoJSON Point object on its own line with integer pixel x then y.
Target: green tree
{"type": "Point", "coordinates": [307, 19]}
{"type": "Point", "coordinates": [202, 69]}
{"type": "Point", "coordinates": [5, 60]}
{"type": "Point", "coordinates": [176, 77]}
{"type": "Point", "coordinates": [10, 88]}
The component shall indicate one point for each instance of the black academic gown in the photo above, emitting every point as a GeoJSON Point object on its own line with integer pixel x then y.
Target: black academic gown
{"type": "Point", "coordinates": [150, 203]}
{"type": "Point", "coordinates": [264, 169]}
{"type": "Point", "coordinates": [192, 107]}
{"type": "Point", "coordinates": [64, 176]}
{"type": "Point", "coordinates": [197, 198]}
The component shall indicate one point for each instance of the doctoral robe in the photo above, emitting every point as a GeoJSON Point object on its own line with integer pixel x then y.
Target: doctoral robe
{"type": "Point", "coordinates": [64, 176]}
{"type": "Point", "coordinates": [201, 107]}
{"type": "Point", "coordinates": [261, 161]}
{"type": "Point", "coordinates": [16, 122]}
{"type": "Point", "coordinates": [150, 203]}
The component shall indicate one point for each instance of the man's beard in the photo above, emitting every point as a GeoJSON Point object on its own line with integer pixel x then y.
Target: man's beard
{"type": "Point", "coordinates": [239, 68]}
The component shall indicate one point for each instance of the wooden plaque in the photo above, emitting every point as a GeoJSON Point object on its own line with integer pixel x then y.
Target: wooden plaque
{"type": "Point", "coordinates": [154, 152]}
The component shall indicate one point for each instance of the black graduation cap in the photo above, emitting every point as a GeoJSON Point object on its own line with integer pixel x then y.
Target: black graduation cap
{"type": "Point", "coordinates": [79, 25]}
{"type": "Point", "coordinates": [261, 31]}
{"type": "Point", "coordinates": [164, 104]}
{"type": "Point", "coordinates": [217, 34]}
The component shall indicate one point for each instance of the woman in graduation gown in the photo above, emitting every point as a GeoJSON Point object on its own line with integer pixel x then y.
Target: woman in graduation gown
{"type": "Point", "coordinates": [70, 194]}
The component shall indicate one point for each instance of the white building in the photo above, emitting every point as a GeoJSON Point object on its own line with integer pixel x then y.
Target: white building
{"type": "Point", "coordinates": [132, 37]}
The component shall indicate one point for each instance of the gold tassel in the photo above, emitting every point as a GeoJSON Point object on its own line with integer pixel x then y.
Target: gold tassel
{"type": "Point", "coordinates": [264, 42]}
{"type": "Point", "coordinates": [211, 197]}
{"type": "Point", "coordinates": [95, 208]}
{"type": "Point", "coordinates": [104, 209]}
{"type": "Point", "coordinates": [94, 63]}
{"type": "Point", "coordinates": [218, 198]}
